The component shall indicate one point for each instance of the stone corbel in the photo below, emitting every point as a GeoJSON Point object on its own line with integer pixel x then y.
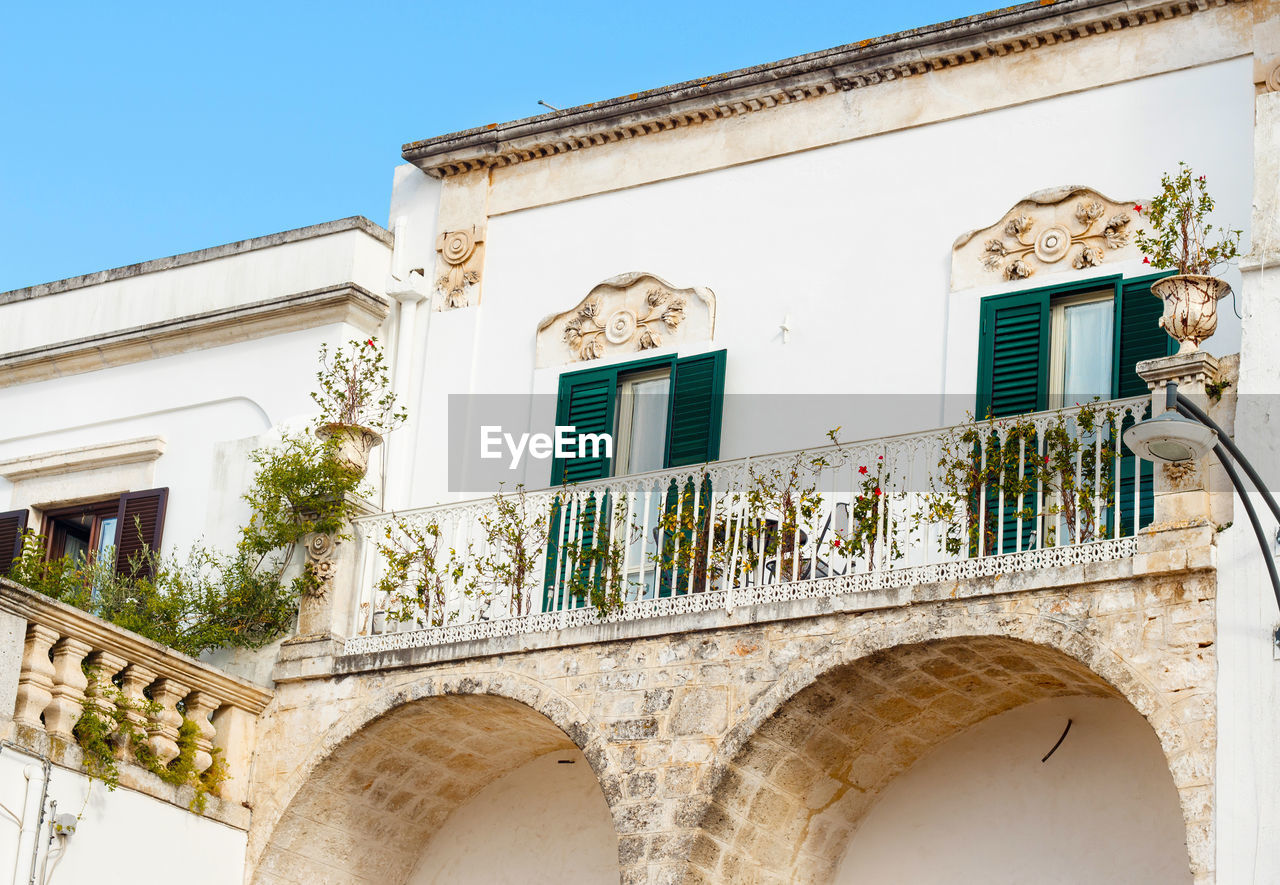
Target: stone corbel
{"type": "Point", "coordinates": [460, 259]}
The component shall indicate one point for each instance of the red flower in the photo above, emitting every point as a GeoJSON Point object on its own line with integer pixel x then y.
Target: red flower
{"type": "Point", "coordinates": [881, 457]}
{"type": "Point", "coordinates": [862, 470]}
{"type": "Point", "coordinates": [1146, 260]}
{"type": "Point", "coordinates": [876, 490]}
{"type": "Point", "coordinates": [369, 343]}
{"type": "Point", "coordinates": [835, 543]}
{"type": "Point", "coordinates": [1046, 459]}
{"type": "Point", "coordinates": [1138, 208]}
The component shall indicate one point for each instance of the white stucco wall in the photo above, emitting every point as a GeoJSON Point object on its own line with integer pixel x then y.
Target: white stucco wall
{"type": "Point", "coordinates": [984, 808]}
{"type": "Point", "coordinates": [209, 406]}
{"type": "Point", "coordinates": [545, 822]}
{"type": "Point", "coordinates": [850, 243]}
{"type": "Point", "coordinates": [122, 837]}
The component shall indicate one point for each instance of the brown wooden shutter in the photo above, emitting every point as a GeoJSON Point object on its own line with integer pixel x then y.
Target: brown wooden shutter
{"type": "Point", "coordinates": [140, 523]}
{"type": "Point", "coordinates": [12, 525]}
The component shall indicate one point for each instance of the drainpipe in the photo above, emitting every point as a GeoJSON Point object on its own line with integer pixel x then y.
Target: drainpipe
{"type": "Point", "coordinates": [32, 816]}
{"type": "Point", "coordinates": [409, 288]}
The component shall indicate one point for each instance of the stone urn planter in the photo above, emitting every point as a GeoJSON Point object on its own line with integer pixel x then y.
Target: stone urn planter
{"type": "Point", "coordinates": [1190, 307]}
{"type": "Point", "coordinates": [354, 443]}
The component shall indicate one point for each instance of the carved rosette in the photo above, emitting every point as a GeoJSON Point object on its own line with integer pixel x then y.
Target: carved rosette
{"type": "Point", "coordinates": [321, 550]}
{"type": "Point", "coordinates": [459, 263]}
{"type": "Point", "coordinates": [1050, 230]}
{"type": "Point", "coordinates": [626, 314]}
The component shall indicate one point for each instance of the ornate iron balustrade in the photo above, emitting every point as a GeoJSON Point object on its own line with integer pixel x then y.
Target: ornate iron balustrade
{"type": "Point", "coordinates": [983, 498]}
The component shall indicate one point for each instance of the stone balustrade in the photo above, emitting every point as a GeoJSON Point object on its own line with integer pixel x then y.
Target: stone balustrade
{"type": "Point", "coordinates": [72, 661]}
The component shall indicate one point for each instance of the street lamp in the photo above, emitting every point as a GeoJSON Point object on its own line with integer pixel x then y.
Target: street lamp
{"type": "Point", "coordinates": [1184, 432]}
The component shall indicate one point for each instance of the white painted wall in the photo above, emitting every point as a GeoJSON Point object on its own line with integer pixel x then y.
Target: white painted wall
{"type": "Point", "coordinates": [122, 838]}
{"type": "Point", "coordinates": [205, 403]}
{"type": "Point", "coordinates": [545, 822]}
{"type": "Point", "coordinates": [852, 242]}
{"type": "Point", "coordinates": [983, 808]}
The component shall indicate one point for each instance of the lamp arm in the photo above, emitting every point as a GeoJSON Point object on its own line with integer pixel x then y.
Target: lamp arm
{"type": "Point", "coordinates": [1253, 519]}
{"type": "Point", "coordinates": [1191, 410]}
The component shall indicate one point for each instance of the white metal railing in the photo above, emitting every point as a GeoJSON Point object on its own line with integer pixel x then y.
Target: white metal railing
{"type": "Point", "coordinates": [980, 498]}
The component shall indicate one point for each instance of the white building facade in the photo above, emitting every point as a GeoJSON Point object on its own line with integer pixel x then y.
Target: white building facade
{"type": "Point", "coordinates": [710, 272]}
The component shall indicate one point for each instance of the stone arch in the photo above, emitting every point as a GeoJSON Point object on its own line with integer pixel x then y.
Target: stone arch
{"type": "Point", "coordinates": [385, 777]}
{"type": "Point", "coordinates": [793, 779]}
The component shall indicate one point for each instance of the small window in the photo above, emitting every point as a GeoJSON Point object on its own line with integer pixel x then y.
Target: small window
{"type": "Point", "coordinates": [116, 530]}
{"type": "Point", "coordinates": [83, 532]}
{"type": "Point", "coordinates": [640, 427]}
{"type": "Point", "coordinates": [662, 412]}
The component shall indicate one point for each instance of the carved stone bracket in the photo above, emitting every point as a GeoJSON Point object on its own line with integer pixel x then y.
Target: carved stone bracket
{"type": "Point", "coordinates": [629, 313]}
{"type": "Point", "coordinates": [460, 259]}
{"type": "Point", "coordinates": [1058, 229]}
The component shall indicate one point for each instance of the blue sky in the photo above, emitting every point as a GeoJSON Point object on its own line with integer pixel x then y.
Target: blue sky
{"type": "Point", "coordinates": [134, 131]}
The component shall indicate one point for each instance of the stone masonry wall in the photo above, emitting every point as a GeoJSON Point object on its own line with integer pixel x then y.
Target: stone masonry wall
{"type": "Point", "coordinates": [751, 749]}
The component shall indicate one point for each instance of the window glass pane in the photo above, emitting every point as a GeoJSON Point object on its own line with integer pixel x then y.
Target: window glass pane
{"type": "Point", "coordinates": [1087, 363]}
{"type": "Point", "coordinates": [106, 538]}
{"type": "Point", "coordinates": [642, 423]}
{"type": "Point", "coordinates": [75, 547]}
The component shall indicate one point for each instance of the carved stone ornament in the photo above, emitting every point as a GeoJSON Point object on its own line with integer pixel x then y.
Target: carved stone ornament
{"type": "Point", "coordinates": [626, 314]}
{"type": "Point", "coordinates": [459, 267]}
{"type": "Point", "coordinates": [320, 550]}
{"type": "Point", "coordinates": [1053, 230]}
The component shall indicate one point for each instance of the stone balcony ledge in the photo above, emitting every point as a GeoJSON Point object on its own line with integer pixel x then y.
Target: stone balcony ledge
{"type": "Point", "coordinates": [1165, 552]}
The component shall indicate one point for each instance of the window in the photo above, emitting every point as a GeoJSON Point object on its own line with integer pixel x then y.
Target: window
{"type": "Point", "coordinates": [1050, 347]}
{"type": "Point", "coordinates": [118, 528]}
{"type": "Point", "coordinates": [640, 425]}
{"type": "Point", "coordinates": [75, 531]}
{"type": "Point", "coordinates": [1080, 348]}
{"type": "Point", "coordinates": [1053, 347]}
{"type": "Point", "coordinates": [663, 412]}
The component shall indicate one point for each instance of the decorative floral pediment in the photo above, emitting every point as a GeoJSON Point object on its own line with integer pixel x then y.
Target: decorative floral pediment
{"type": "Point", "coordinates": [630, 313]}
{"type": "Point", "coordinates": [1051, 231]}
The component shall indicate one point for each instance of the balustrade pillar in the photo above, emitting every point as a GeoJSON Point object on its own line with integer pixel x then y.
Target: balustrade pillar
{"type": "Point", "coordinates": [133, 683]}
{"type": "Point", "coordinates": [162, 731]}
{"type": "Point", "coordinates": [199, 705]}
{"type": "Point", "coordinates": [35, 680]}
{"type": "Point", "coordinates": [1182, 533]}
{"type": "Point", "coordinates": [102, 667]}
{"type": "Point", "coordinates": [69, 683]}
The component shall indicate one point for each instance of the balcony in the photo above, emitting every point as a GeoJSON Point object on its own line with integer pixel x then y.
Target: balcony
{"type": "Point", "coordinates": [150, 699]}
{"type": "Point", "coordinates": [985, 498]}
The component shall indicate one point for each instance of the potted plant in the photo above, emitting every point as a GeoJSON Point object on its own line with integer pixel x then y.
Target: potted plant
{"type": "Point", "coordinates": [357, 406]}
{"type": "Point", "coordinates": [1178, 237]}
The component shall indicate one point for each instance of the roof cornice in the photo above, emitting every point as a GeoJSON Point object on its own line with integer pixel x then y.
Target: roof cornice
{"type": "Point", "coordinates": [855, 66]}
{"type": "Point", "coordinates": [240, 247]}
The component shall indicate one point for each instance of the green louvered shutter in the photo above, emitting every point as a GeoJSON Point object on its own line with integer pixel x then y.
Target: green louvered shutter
{"type": "Point", "coordinates": [586, 404]}
{"type": "Point", "coordinates": [1013, 379]}
{"type": "Point", "coordinates": [693, 437]}
{"type": "Point", "coordinates": [1013, 356]}
{"type": "Point", "coordinates": [697, 399]}
{"type": "Point", "coordinates": [1139, 338]}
